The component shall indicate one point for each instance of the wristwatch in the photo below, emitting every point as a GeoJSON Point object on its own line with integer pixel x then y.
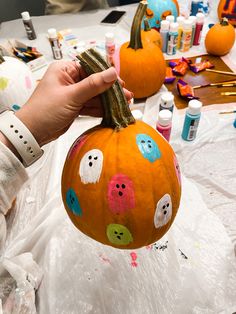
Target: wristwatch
{"type": "Point", "coordinates": [20, 137]}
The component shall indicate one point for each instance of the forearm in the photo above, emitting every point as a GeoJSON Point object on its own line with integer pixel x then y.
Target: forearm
{"type": "Point", "coordinates": [12, 174]}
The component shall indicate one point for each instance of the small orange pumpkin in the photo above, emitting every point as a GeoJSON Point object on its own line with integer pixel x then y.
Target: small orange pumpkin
{"type": "Point", "coordinates": [227, 9]}
{"type": "Point", "coordinates": [151, 35]}
{"type": "Point", "coordinates": [220, 38]}
{"type": "Point", "coordinates": [121, 182]}
{"type": "Point", "coordinates": [142, 64]}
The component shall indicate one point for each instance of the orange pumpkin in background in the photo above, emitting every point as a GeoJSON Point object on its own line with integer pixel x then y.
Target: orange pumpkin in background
{"type": "Point", "coordinates": [220, 38]}
{"type": "Point", "coordinates": [151, 35]}
{"type": "Point", "coordinates": [227, 9]}
{"type": "Point", "coordinates": [142, 64]}
{"type": "Point", "coordinates": [121, 182]}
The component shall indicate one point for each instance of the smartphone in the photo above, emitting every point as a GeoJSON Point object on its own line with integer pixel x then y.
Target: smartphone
{"type": "Point", "coordinates": [113, 17]}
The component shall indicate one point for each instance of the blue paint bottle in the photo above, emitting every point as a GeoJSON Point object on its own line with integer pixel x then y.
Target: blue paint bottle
{"type": "Point", "coordinates": [191, 121]}
{"type": "Point", "coordinates": [195, 5]}
{"type": "Point", "coordinates": [164, 32]}
{"type": "Point", "coordinates": [172, 38]}
{"type": "Point", "coordinates": [234, 123]}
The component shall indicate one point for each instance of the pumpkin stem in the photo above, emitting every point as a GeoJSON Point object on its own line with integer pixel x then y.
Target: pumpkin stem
{"type": "Point", "coordinates": [224, 22]}
{"type": "Point", "coordinates": [117, 113]}
{"type": "Point", "coordinates": [147, 27]}
{"type": "Point", "coordinates": [1, 59]}
{"type": "Point", "coordinates": [135, 34]}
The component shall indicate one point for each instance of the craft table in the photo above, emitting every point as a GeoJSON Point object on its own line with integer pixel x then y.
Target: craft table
{"type": "Point", "coordinates": [38, 223]}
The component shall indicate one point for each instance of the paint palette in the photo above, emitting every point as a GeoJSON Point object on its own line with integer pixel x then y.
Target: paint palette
{"type": "Point", "coordinates": [207, 95]}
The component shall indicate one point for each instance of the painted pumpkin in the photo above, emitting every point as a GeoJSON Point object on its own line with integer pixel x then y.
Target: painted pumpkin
{"type": "Point", "coordinates": [151, 35]}
{"type": "Point", "coordinates": [121, 181]}
{"type": "Point", "coordinates": [142, 64]}
{"type": "Point", "coordinates": [16, 83]}
{"type": "Point", "coordinates": [227, 8]}
{"type": "Point", "coordinates": [158, 10]}
{"type": "Point", "coordinates": [220, 38]}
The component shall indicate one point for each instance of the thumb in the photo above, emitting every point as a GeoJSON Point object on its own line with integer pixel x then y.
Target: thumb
{"type": "Point", "coordinates": [93, 85]}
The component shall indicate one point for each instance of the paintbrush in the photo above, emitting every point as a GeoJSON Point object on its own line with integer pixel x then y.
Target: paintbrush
{"type": "Point", "coordinates": [228, 94]}
{"type": "Point", "coordinates": [227, 112]}
{"type": "Point", "coordinates": [220, 84]}
{"type": "Point", "coordinates": [221, 72]}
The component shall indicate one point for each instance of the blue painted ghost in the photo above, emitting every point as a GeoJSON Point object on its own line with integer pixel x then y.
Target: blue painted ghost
{"type": "Point", "coordinates": [148, 147]}
{"type": "Point", "coordinates": [73, 202]}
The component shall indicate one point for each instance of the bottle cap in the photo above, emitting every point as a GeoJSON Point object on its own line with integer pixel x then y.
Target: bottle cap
{"type": "Point", "coordinates": [194, 107]}
{"type": "Point", "coordinates": [25, 15]}
{"type": "Point", "coordinates": [193, 18]}
{"type": "Point", "coordinates": [170, 18]}
{"type": "Point", "coordinates": [164, 117]}
{"type": "Point", "coordinates": [174, 27]}
{"type": "Point", "coordinates": [52, 33]}
{"type": "Point", "coordinates": [200, 17]}
{"type": "Point", "coordinates": [109, 37]}
{"type": "Point", "coordinates": [180, 20]}
{"type": "Point", "coordinates": [165, 25]}
{"type": "Point", "coordinates": [137, 114]}
{"type": "Point", "coordinates": [187, 24]}
{"type": "Point", "coordinates": [167, 99]}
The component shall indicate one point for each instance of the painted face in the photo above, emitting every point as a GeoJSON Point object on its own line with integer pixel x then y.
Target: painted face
{"type": "Point", "coordinates": [91, 166]}
{"type": "Point", "coordinates": [163, 211]}
{"type": "Point", "coordinates": [76, 146]}
{"type": "Point", "coordinates": [148, 147]}
{"type": "Point", "coordinates": [120, 193]}
{"type": "Point", "coordinates": [119, 234]}
{"type": "Point", "coordinates": [149, 13]}
{"type": "Point", "coordinates": [177, 169]}
{"type": "Point", "coordinates": [73, 202]}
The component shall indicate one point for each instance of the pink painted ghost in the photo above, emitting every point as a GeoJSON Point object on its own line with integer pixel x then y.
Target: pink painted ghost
{"type": "Point", "coordinates": [120, 194]}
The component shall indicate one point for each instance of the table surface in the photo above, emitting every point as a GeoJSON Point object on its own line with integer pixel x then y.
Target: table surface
{"type": "Point", "coordinates": [209, 161]}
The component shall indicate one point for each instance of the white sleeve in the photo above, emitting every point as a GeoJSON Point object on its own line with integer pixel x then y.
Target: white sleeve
{"type": "Point", "coordinates": [12, 176]}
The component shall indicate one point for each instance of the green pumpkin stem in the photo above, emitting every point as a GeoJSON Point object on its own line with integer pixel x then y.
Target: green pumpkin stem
{"type": "Point", "coordinates": [117, 113]}
{"type": "Point", "coordinates": [1, 59]}
{"type": "Point", "coordinates": [135, 34]}
{"type": "Point", "coordinates": [224, 22]}
{"type": "Point", "coordinates": [147, 27]}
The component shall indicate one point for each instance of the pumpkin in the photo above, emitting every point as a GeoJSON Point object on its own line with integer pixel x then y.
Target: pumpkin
{"type": "Point", "coordinates": [16, 83]}
{"type": "Point", "coordinates": [151, 35]}
{"type": "Point", "coordinates": [220, 38]}
{"type": "Point", "coordinates": [158, 10]}
{"type": "Point", "coordinates": [142, 64]}
{"type": "Point", "coordinates": [121, 181]}
{"type": "Point", "coordinates": [227, 9]}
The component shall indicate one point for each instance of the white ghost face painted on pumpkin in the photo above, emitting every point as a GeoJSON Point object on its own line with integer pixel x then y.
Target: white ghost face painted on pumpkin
{"type": "Point", "coordinates": [163, 211]}
{"type": "Point", "coordinates": [91, 166]}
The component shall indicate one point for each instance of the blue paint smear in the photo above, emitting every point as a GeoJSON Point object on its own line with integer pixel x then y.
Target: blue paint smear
{"type": "Point", "coordinates": [148, 147]}
{"type": "Point", "coordinates": [73, 202]}
{"type": "Point", "coordinates": [15, 107]}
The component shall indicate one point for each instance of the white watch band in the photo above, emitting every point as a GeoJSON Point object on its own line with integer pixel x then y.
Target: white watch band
{"type": "Point", "coordinates": [20, 137]}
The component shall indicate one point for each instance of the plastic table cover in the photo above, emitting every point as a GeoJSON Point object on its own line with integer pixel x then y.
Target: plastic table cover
{"type": "Point", "coordinates": [191, 269]}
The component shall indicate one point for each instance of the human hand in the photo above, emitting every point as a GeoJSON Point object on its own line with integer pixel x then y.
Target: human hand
{"type": "Point", "coordinates": [63, 93]}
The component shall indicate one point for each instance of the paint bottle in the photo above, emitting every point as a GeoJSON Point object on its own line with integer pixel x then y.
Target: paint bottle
{"type": "Point", "coordinates": [110, 47]}
{"type": "Point", "coordinates": [191, 121]}
{"type": "Point", "coordinates": [28, 25]}
{"type": "Point", "coordinates": [167, 102]}
{"type": "Point", "coordinates": [164, 123]}
{"type": "Point", "coordinates": [194, 20]}
{"type": "Point", "coordinates": [55, 45]}
{"type": "Point", "coordinates": [172, 39]}
{"type": "Point", "coordinates": [186, 36]}
{"type": "Point", "coordinates": [170, 18]}
{"type": "Point", "coordinates": [180, 20]}
{"type": "Point", "coordinates": [195, 6]}
{"type": "Point", "coordinates": [199, 27]}
{"type": "Point", "coordinates": [164, 32]}
{"type": "Point", "coordinates": [234, 124]}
